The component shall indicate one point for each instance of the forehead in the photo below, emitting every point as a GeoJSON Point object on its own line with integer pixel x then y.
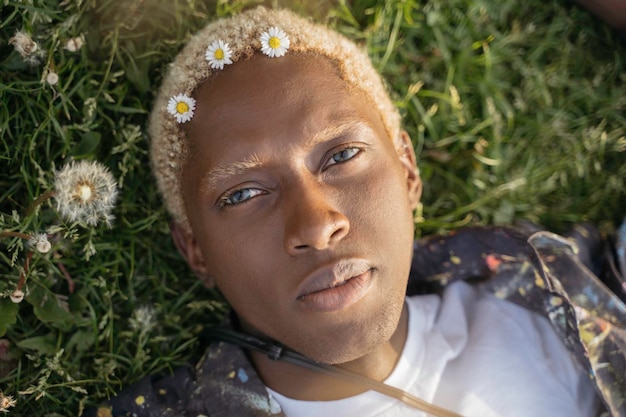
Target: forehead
{"type": "Point", "coordinates": [297, 95]}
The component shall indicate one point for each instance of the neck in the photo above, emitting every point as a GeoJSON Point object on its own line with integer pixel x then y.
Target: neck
{"type": "Point", "coordinates": [301, 383]}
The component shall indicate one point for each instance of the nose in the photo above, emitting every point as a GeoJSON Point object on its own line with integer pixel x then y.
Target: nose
{"type": "Point", "coordinates": [313, 222]}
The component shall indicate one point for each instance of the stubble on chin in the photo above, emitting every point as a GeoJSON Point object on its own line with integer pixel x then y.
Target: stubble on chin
{"type": "Point", "coordinates": [356, 340]}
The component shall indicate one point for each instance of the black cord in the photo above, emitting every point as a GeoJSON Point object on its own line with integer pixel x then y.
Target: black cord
{"type": "Point", "coordinates": [280, 353]}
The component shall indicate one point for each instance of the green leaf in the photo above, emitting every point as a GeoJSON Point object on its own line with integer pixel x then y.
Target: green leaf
{"type": "Point", "coordinates": [88, 144]}
{"type": "Point", "coordinates": [81, 341]}
{"type": "Point", "coordinates": [8, 314]}
{"type": "Point", "coordinates": [51, 308]}
{"type": "Point", "coordinates": [43, 345]}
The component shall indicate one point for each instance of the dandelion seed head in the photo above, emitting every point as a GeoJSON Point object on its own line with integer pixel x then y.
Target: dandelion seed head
{"type": "Point", "coordinates": [85, 192]}
{"type": "Point", "coordinates": [27, 48]}
{"type": "Point", "coordinates": [40, 243]}
{"type": "Point", "coordinates": [23, 44]}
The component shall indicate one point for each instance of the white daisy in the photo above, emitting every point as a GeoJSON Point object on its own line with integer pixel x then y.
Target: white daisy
{"type": "Point", "coordinates": [218, 54]}
{"type": "Point", "coordinates": [181, 106]}
{"type": "Point", "coordinates": [86, 192]}
{"type": "Point", "coordinates": [40, 242]}
{"type": "Point", "coordinates": [274, 42]}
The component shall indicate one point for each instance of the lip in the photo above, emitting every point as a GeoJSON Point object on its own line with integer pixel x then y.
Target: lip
{"type": "Point", "coordinates": [336, 287]}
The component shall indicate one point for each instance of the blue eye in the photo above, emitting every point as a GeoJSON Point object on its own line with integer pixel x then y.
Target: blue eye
{"type": "Point", "coordinates": [343, 155]}
{"type": "Point", "coordinates": [239, 196]}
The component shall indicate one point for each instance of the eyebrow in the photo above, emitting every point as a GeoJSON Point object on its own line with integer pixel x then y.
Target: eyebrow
{"type": "Point", "coordinates": [225, 171]}
{"type": "Point", "coordinates": [222, 172]}
{"type": "Point", "coordinates": [337, 130]}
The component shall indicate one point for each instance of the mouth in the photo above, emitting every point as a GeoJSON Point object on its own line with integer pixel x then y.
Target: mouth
{"type": "Point", "coordinates": [336, 287]}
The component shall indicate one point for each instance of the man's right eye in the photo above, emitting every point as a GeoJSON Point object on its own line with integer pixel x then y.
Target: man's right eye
{"type": "Point", "coordinates": [343, 155]}
{"type": "Point", "coordinates": [235, 197]}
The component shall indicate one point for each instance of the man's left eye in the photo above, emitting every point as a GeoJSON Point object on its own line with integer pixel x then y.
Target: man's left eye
{"type": "Point", "coordinates": [236, 197]}
{"type": "Point", "coordinates": [343, 155]}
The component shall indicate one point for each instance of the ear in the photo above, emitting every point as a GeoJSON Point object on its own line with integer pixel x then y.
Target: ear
{"type": "Point", "coordinates": [189, 249]}
{"type": "Point", "coordinates": [409, 164]}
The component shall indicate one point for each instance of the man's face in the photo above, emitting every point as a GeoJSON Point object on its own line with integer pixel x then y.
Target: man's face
{"type": "Point", "coordinates": [300, 206]}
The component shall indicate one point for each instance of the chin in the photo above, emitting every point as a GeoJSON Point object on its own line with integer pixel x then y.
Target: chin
{"type": "Point", "coordinates": [356, 340]}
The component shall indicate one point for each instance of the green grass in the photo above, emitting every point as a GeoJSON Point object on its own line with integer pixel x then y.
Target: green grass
{"type": "Point", "coordinates": [517, 111]}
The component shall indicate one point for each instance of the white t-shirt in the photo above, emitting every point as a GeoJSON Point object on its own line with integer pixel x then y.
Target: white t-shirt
{"type": "Point", "coordinates": [476, 355]}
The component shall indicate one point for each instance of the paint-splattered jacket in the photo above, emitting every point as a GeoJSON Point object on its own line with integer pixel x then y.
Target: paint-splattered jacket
{"type": "Point", "coordinates": [541, 271]}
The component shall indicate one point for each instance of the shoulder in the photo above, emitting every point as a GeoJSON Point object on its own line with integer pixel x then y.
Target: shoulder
{"type": "Point", "coordinates": [155, 395]}
{"type": "Point", "coordinates": [565, 279]}
{"type": "Point", "coordinates": [222, 383]}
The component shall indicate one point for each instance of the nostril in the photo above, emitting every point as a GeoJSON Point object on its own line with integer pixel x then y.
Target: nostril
{"type": "Point", "coordinates": [317, 228]}
{"type": "Point", "coordinates": [339, 232]}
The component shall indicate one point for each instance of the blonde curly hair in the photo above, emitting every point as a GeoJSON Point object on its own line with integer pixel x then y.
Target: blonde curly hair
{"type": "Point", "coordinates": [169, 148]}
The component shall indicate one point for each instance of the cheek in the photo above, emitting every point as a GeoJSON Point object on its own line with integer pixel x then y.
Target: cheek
{"type": "Point", "coordinates": [242, 266]}
{"type": "Point", "coordinates": [383, 201]}
{"type": "Point", "coordinates": [254, 299]}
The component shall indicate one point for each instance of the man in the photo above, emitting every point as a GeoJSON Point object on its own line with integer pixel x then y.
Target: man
{"type": "Point", "coordinates": [291, 185]}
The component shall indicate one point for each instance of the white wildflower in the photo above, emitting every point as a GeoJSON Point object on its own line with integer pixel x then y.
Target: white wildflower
{"type": "Point", "coordinates": [40, 242]}
{"type": "Point", "coordinates": [75, 44]}
{"type": "Point", "coordinates": [143, 319]}
{"type": "Point", "coordinates": [219, 54]}
{"type": "Point", "coordinates": [17, 296]}
{"type": "Point", "coordinates": [85, 191]}
{"type": "Point", "coordinates": [6, 402]}
{"type": "Point", "coordinates": [181, 106]}
{"type": "Point", "coordinates": [274, 42]}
